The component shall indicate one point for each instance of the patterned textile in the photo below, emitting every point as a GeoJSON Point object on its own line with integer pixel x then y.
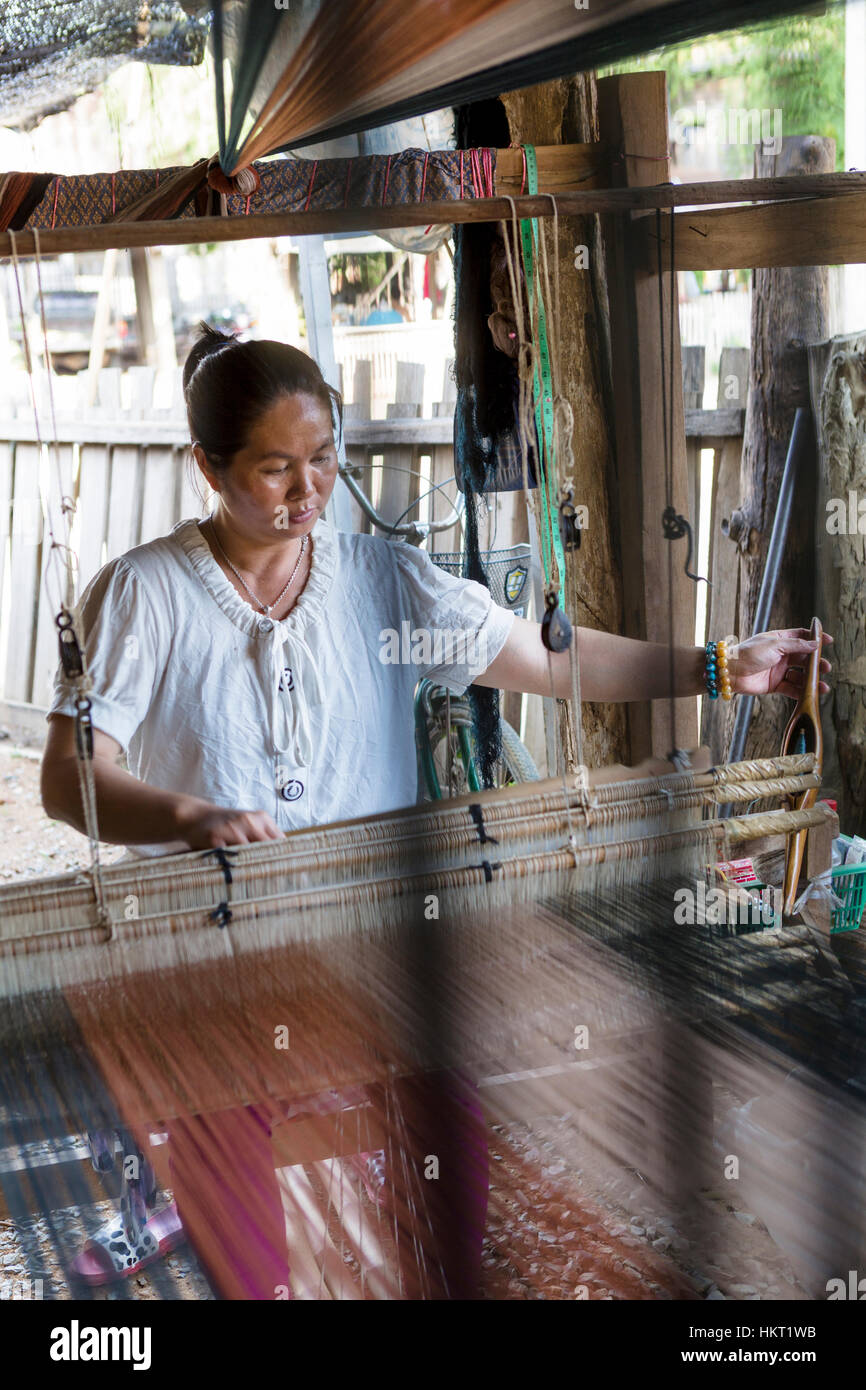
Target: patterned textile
{"type": "Point", "coordinates": [287, 185]}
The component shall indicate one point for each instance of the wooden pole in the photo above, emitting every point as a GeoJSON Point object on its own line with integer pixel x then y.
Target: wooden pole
{"type": "Point", "coordinates": [790, 307]}
{"type": "Point", "coordinates": [722, 613]}
{"type": "Point", "coordinates": [188, 231]}
{"type": "Point", "coordinates": [566, 109]}
{"type": "Point", "coordinates": [659, 598]}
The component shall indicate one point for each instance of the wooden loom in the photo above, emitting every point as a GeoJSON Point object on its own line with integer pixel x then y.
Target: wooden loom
{"type": "Point", "coordinates": [473, 938]}
{"type": "Point", "coordinates": [455, 940]}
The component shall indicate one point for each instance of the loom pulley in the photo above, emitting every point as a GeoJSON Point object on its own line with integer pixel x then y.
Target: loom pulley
{"type": "Point", "coordinates": [556, 629]}
{"type": "Point", "coordinates": [70, 649]}
{"type": "Point", "coordinates": [569, 522]}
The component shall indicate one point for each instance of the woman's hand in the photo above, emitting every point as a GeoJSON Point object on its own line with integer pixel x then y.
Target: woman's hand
{"type": "Point", "coordinates": [775, 663]}
{"type": "Point", "coordinates": [204, 826]}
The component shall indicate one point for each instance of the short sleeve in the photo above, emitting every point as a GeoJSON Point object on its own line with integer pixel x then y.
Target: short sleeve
{"type": "Point", "coordinates": [450, 628]}
{"type": "Point", "coordinates": [121, 644]}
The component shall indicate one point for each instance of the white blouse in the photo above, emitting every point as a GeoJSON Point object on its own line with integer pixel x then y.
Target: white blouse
{"type": "Point", "coordinates": [309, 718]}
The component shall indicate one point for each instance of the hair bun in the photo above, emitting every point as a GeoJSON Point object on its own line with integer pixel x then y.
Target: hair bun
{"type": "Point", "coordinates": [209, 341]}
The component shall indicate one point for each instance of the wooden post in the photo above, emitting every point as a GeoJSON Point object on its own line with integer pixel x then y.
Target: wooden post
{"type": "Point", "coordinates": [790, 308]}
{"type": "Point", "coordinates": [694, 374]}
{"type": "Point", "coordinates": [156, 344]}
{"type": "Point", "coordinates": [656, 590]}
{"type": "Point", "coordinates": [564, 111]}
{"type": "Point", "coordinates": [399, 487]}
{"type": "Point", "coordinates": [722, 615]}
{"type": "Point", "coordinates": [819, 858]}
{"type": "Point", "coordinates": [442, 466]}
{"type": "Point", "coordinates": [100, 325]}
{"type": "Point", "coordinates": [144, 309]}
{"type": "Point", "coordinates": [837, 370]}
{"type": "Point", "coordinates": [360, 408]}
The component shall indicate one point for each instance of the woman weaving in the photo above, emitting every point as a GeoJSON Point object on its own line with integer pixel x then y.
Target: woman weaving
{"type": "Point", "coordinates": [238, 661]}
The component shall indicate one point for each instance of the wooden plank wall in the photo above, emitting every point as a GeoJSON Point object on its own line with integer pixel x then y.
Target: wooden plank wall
{"type": "Point", "coordinates": [126, 461]}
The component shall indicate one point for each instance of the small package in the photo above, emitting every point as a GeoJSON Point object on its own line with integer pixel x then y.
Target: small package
{"type": "Point", "coordinates": [737, 871]}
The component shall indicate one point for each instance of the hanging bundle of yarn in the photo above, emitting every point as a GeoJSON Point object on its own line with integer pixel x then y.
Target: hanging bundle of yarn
{"type": "Point", "coordinates": [244, 183]}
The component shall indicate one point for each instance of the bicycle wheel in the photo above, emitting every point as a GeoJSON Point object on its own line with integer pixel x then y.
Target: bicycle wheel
{"type": "Point", "coordinates": [449, 768]}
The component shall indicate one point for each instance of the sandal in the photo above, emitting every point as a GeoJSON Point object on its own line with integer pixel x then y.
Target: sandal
{"type": "Point", "coordinates": [370, 1168]}
{"type": "Point", "coordinates": [109, 1255]}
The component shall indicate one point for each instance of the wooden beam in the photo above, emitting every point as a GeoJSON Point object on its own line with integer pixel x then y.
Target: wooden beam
{"type": "Point", "coordinates": [156, 430]}
{"type": "Point", "coordinates": [192, 230]}
{"type": "Point", "coordinates": [710, 425]}
{"type": "Point", "coordinates": [767, 235]}
{"type": "Point", "coordinates": [560, 167]}
{"type": "Point", "coordinates": [706, 425]}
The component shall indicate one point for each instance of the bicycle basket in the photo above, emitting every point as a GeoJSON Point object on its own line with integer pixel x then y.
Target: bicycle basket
{"type": "Point", "coordinates": [507, 570]}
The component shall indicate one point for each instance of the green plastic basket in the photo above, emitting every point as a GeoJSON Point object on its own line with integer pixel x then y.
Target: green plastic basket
{"type": "Point", "coordinates": [849, 884]}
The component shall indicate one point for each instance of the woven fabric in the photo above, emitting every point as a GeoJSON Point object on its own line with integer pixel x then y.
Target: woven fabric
{"type": "Point", "coordinates": [287, 185]}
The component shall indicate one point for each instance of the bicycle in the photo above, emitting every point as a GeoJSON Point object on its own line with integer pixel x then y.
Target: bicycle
{"type": "Point", "coordinates": [444, 738]}
{"type": "Point", "coordinates": [443, 722]}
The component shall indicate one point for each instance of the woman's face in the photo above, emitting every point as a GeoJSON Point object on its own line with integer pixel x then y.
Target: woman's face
{"type": "Point", "coordinates": [280, 482]}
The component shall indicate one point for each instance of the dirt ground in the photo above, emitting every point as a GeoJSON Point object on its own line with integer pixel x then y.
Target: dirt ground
{"type": "Point", "coordinates": [552, 1233]}
{"type": "Point", "coordinates": [31, 843]}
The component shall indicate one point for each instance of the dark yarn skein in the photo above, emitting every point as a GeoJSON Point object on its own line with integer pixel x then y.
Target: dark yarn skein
{"type": "Point", "coordinates": [475, 454]}
{"type": "Point", "coordinates": [486, 390]}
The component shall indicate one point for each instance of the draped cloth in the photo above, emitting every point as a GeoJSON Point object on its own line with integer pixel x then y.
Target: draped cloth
{"type": "Point", "coordinates": [285, 185]}
{"type": "Point", "coordinates": [315, 70]}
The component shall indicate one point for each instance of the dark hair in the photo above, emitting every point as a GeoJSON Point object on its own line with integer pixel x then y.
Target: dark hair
{"type": "Point", "coordinates": [228, 385]}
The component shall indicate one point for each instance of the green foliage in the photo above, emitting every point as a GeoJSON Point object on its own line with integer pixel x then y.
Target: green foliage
{"type": "Point", "coordinates": [796, 65]}
{"type": "Point", "coordinates": [353, 273]}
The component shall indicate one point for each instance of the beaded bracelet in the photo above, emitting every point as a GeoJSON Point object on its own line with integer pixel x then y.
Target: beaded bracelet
{"type": "Point", "coordinates": [716, 676]}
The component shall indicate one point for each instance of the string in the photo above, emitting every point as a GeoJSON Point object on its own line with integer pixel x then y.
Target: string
{"type": "Point", "coordinates": [563, 427]}
{"type": "Point", "coordinates": [525, 364]}
{"type": "Point", "coordinates": [67, 503]}
{"type": "Point", "coordinates": [526, 374]}
{"type": "Point", "coordinates": [67, 621]}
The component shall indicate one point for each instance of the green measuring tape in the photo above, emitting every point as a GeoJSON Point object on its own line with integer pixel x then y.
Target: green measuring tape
{"type": "Point", "coordinates": [542, 389]}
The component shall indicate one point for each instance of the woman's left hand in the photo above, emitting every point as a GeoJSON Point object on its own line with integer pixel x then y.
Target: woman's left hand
{"type": "Point", "coordinates": [775, 663]}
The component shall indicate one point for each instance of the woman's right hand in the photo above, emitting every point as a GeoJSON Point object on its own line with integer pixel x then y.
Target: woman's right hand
{"type": "Point", "coordinates": [204, 826]}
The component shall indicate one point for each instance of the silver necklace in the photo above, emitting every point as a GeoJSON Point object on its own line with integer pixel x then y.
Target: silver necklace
{"type": "Point", "coordinates": [265, 607]}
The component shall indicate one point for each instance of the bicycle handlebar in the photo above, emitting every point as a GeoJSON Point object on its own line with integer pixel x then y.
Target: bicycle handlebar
{"type": "Point", "coordinates": [413, 531]}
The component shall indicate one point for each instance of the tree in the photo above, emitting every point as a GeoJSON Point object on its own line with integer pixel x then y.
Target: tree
{"type": "Point", "coordinates": [795, 66]}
